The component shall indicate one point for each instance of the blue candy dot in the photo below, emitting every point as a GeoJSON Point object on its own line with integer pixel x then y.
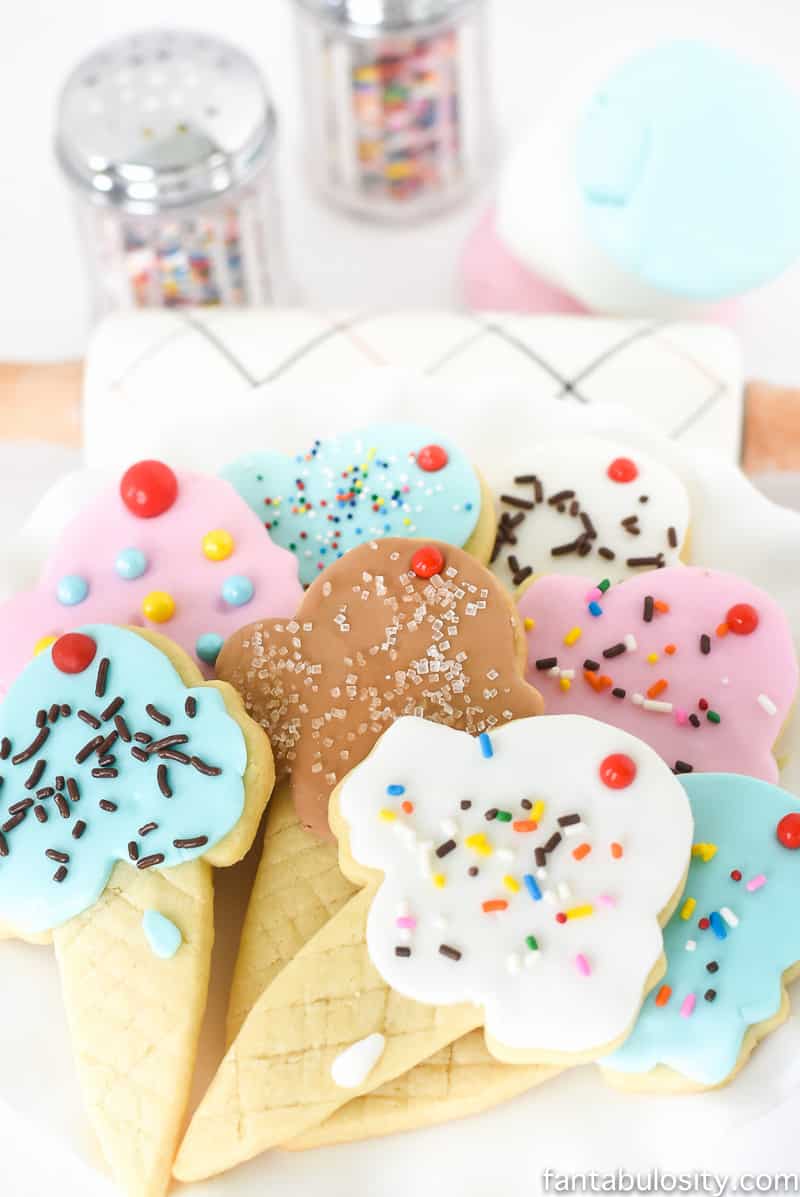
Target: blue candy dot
{"type": "Point", "coordinates": [237, 590]}
{"type": "Point", "coordinates": [394, 791]}
{"type": "Point", "coordinates": [208, 647]}
{"type": "Point", "coordinates": [72, 589]}
{"type": "Point", "coordinates": [130, 564]}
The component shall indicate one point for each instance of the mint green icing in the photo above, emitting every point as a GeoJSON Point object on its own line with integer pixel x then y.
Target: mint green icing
{"type": "Point", "coordinates": [362, 486]}
{"type": "Point", "coordinates": [200, 805]}
{"type": "Point", "coordinates": [162, 934]}
{"type": "Point", "coordinates": [739, 815]}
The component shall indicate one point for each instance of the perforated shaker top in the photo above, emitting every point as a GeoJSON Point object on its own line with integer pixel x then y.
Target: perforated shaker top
{"type": "Point", "coordinates": [162, 119]}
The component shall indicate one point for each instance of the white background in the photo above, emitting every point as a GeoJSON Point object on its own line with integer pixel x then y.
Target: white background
{"type": "Point", "coordinates": [336, 260]}
{"type": "Point", "coordinates": [44, 315]}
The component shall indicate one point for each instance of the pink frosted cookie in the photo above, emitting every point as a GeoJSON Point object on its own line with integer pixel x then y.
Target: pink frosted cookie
{"type": "Point", "coordinates": [697, 663]}
{"type": "Point", "coordinates": [176, 552]}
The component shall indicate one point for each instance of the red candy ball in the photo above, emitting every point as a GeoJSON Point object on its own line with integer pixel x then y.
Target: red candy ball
{"type": "Point", "coordinates": [742, 619]}
{"type": "Point", "coordinates": [148, 488]}
{"type": "Point", "coordinates": [788, 830]}
{"type": "Point", "coordinates": [617, 771]}
{"type": "Point", "coordinates": [74, 652]}
{"type": "Point", "coordinates": [427, 561]}
{"type": "Point", "coordinates": [432, 458]}
{"type": "Point", "coordinates": [622, 469]}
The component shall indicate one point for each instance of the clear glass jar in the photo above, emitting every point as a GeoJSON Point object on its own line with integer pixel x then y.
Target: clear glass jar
{"type": "Point", "coordinates": [397, 105]}
{"type": "Point", "coordinates": [168, 140]}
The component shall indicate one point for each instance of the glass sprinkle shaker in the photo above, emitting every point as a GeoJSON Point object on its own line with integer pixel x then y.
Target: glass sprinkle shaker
{"type": "Point", "coordinates": [168, 139]}
{"type": "Point", "coordinates": [396, 95]}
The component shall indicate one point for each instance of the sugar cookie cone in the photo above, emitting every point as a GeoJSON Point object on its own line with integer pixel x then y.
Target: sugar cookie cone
{"type": "Point", "coordinates": [275, 1081]}
{"type": "Point", "coordinates": [298, 887]}
{"type": "Point", "coordinates": [461, 1079]}
{"type": "Point", "coordinates": [134, 1018]}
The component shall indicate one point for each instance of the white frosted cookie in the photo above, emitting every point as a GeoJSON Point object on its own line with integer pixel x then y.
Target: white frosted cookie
{"type": "Point", "coordinates": [517, 880]}
{"type": "Point", "coordinates": [589, 507]}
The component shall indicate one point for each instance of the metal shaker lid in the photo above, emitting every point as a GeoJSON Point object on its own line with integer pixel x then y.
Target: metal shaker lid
{"type": "Point", "coordinates": [370, 18]}
{"type": "Point", "coordinates": [163, 119]}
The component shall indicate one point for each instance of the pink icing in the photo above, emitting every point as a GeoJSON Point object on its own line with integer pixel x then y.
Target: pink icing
{"type": "Point", "coordinates": [730, 678]}
{"type": "Point", "coordinates": [173, 545]}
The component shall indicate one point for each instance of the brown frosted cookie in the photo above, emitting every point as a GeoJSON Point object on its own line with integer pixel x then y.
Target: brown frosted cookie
{"type": "Point", "coordinates": [395, 627]}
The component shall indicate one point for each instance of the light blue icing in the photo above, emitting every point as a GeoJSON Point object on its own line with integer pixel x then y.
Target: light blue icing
{"type": "Point", "coordinates": [161, 933]}
{"type": "Point", "coordinates": [130, 564]}
{"type": "Point", "coordinates": [201, 805]}
{"type": "Point", "coordinates": [237, 590]}
{"type": "Point", "coordinates": [740, 815]}
{"type": "Point", "coordinates": [363, 486]}
{"type": "Point", "coordinates": [72, 589]}
{"type": "Point", "coordinates": [688, 162]}
{"type": "Point", "coordinates": [208, 647]}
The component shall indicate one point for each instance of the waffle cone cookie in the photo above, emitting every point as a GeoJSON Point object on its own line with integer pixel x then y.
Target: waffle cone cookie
{"type": "Point", "coordinates": [476, 911]}
{"type": "Point", "coordinates": [141, 776]}
{"type": "Point", "coordinates": [297, 889]}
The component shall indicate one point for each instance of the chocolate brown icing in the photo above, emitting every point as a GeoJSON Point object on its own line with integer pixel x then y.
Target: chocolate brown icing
{"type": "Point", "coordinates": [370, 642]}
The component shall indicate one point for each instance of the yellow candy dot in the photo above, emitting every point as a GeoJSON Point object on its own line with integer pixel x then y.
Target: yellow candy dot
{"type": "Point", "coordinates": [158, 606]}
{"type": "Point", "coordinates": [42, 643]}
{"type": "Point", "coordinates": [217, 545]}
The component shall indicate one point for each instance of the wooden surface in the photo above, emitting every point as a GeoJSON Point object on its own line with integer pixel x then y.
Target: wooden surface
{"type": "Point", "coordinates": [42, 402]}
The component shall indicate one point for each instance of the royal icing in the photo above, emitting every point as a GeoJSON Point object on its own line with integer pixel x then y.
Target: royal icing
{"type": "Point", "coordinates": [384, 480]}
{"type": "Point", "coordinates": [591, 508]}
{"type": "Point", "coordinates": [353, 1065]}
{"type": "Point", "coordinates": [377, 636]}
{"type": "Point", "coordinates": [515, 876]}
{"type": "Point", "coordinates": [176, 552]}
{"type": "Point", "coordinates": [161, 933]}
{"type": "Point", "coordinates": [734, 933]}
{"type": "Point", "coordinates": [105, 755]}
{"type": "Point", "coordinates": [699, 664]}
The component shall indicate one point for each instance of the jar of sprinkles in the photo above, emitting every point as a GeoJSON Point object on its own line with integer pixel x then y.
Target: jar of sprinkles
{"type": "Point", "coordinates": [397, 101]}
{"type": "Point", "coordinates": [167, 139]}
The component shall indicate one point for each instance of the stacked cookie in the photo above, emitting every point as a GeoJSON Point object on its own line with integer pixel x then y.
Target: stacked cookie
{"type": "Point", "coordinates": [526, 816]}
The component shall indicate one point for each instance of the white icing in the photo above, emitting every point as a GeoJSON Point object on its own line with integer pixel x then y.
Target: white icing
{"type": "Point", "coordinates": [581, 465]}
{"type": "Point", "coordinates": [554, 1006]}
{"type": "Point", "coordinates": [352, 1066]}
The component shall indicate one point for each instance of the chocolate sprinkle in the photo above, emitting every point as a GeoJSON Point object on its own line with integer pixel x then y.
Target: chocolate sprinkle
{"type": "Point", "coordinates": [112, 708]}
{"type": "Point", "coordinates": [465, 804]}
{"type": "Point", "coordinates": [560, 496]}
{"type": "Point", "coordinates": [616, 650]}
{"type": "Point", "coordinates": [35, 776]}
{"type": "Point", "coordinates": [47, 792]}
{"type": "Point", "coordinates": [546, 662]}
{"type": "Point", "coordinates": [104, 804]}
{"type": "Point", "coordinates": [472, 871]}
{"type": "Point", "coordinates": [102, 678]}
{"type": "Point", "coordinates": [712, 966]}
{"type": "Point", "coordinates": [526, 804]}
{"type": "Point", "coordinates": [568, 820]}
{"type": "Point", "coordinates": [618, 692]}
{"type": "Point", "coordinates": [108, 743]}
{"type": "Point", "coordinates": [146, 828]}
{"type": "Point", "coordinates": [553, 842]}
{"type": "Point", "coordinates": [450, 953]}
{"type": "Point", "coordinates": [59, 782]}
{"type": "Point", "coordinates": [445, 848]}
{"type": "Point", "coordinates": [606, 554]}
{"type": "Point", "coordinates": [672, 538]}
{"type": "Point", "coordinates": [172, 754]}
{"type": "Point", "coordinates": [693, 719]}
{"type": "Point", "coordinates": [705, 644]}
{"type": "Point", "coordinates": [133, 850]}
{"type": "Point", "coordinates": [399, 951]}
{"type": "Point", "coordinates": [166, 742]}
{"type": "Point", "coordinates": [490, 814]}
{"type": "Point", "coordinates": [105, 773]}
{"type": "Point", "coordinates": [54, 712]}
{"type": "Point", "coordinates": [561, 550]}
{"type": "Point", "coordinates": [148, 862]}
{"type": "Point", "coordinates": [190, 706]}
{"type": "Point", "coordinates": [5, 748]}
{"type": "Point", "coordinates": [540, 856]}
{"type": "Point", "coordinates": [591, 665]}
{"type": "Point", "coordinates": [41, 813]}
{"type": "Point", "coordinates": [647, 613]}
{"type": "Point", "coordinates": [60, 873]}
{"type": "Point", "coordinates": [139, 754]}
{"type": "Point", "coordinates": [32, 748]}
{"type": "Point", "coordinates": [202, 767]}
{"type": "Point", "coordinates": [66, 710]}
{"type": "Point", "coordinates": [710, 994]}
{"type": "Point", "coordinates": [157, 716]}
{"type": "Point", "coordinates": [15, 821]}
{"type": "Point", "coordinates": [657, 560]}
{"type": "Point", "coordinates": [88, 749]}
{"type": "Point", "coordinates": [23, 804]}
{"type": "Point", "coordinates": [683, 767]}
{"type": "Point", "coordinates": [59, 857]}
{"type": "Point", "coordinates": [78, 829]}
{"type": "Point", "coordinates": [72, 789]}
{"type": "Point", "coordinates": [194, 841]}
{"type": "Point", "coordinates": [142, 737]}
{"type": "Point", "coordinates": [513, 501]}
{"type": "Point", "coordinates": [163, 782]}
{"type": "Point", "coordinates": [62, 806]}
{"type": "Point", "coordinates": [41, 718]}
{"type": "Point", "coordinates": [87, 717]}
{"type": "Point", "coordinates": [123, 729]}
{"type": "Point", "coordinates": [3, 845]}
{"type": "Point", "coordinates": [521, 574]}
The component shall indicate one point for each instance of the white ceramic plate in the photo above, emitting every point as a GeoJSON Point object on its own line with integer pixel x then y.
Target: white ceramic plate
{"type": "Point", "coordinates": [573, 1123]}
